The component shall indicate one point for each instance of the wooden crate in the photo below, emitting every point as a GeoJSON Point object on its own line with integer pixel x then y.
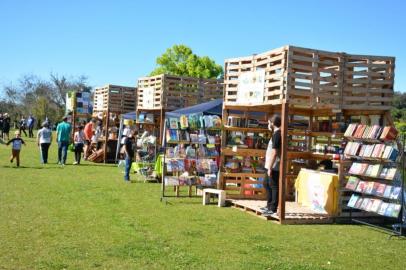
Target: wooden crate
{"type": "Point", "coordinates": [174, 92]}
{"type": "Point", "coordinates": [316, 79]}
{"type": "Point", "coordinates": [118, 99]}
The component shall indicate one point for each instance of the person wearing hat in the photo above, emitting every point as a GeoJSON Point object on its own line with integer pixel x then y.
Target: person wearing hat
{"type": "Point", "coordinates": [63, 131]}
{"type": "Point", "coordinates": [6, 126]}
{"type": "Point", "coordinates": [16, 147]}
{"type": "Point", "coordinates": [44, 140]}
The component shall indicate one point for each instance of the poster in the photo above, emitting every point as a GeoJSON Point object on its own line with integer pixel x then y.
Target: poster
{"type": "Point", "coordinates": [148, 98]}
{"type": "Point", "coordinates": [251, 86]}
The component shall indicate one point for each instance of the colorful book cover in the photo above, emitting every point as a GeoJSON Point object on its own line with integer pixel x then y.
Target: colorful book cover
{"type": "Point", "coordinates": [369, 205]}
{"type": "Point", "coordinates": [364, 203]}
{"type": "Point", "coordinates": [352, 183]}
{"type": "Point", "coordinates": [359, 203]}
{"type": "Point", "coordinates": [173, 123]}
{"type": "Point", "coordinates": [375, 188]}
{"type": "Point", "coordinates": [388, 191]}
{"type": "Point", "coordinates": [369, 188]}
{"type": "Point", "coordinates": [396, 210]}
{"type": "Point", "coordinates": [382, 208]}
{"type": "Point", "coordinates": [361, 186]}
{"type": "Point", "coordinates": [389, 210]}
{"type": "Point", "coordinates": [354, 198]}
{"type": "Point", "coordinates": [375, 206]}
{"type": "Point", "coordinates": [380, 190]}
{"type": "Point", "coordinates": [395, 193]}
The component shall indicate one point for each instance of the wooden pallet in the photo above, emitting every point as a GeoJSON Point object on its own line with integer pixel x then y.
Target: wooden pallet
{"type": "Point", "coordinates": [118, 99]}
{"type": "Point", "coordinates": [308, 78]}
{"type": "Point", "coordinates": [295, 214]}
{"type": "Point", "coordinates": [173, 92]}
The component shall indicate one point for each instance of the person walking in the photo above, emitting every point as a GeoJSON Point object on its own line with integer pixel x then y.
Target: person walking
{"type": "Point", "coordinates": [30, 124]}
{"type": "Point", "coordinates": [272, 161]}
{"type": "Point", "coordinates": [78, 140]}
{"type": "Point", "coordinates": [63, 131]}
{"type": "Point", "coordinates": [129, 145]}
{"type": "Point", "coordinates": [44, 140]}
{"type": "Point", "coordinates": [1, 125]}
{"type": "Point", "coordinates": [16, 148]}
{"type": "Point", "coordinates": [6, 126]}
{"type": "Point", "coordinates": [23, 126]}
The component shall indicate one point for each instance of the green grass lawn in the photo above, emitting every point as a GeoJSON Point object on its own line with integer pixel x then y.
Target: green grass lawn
{"type": "Point", "coordinates": [87, 217]}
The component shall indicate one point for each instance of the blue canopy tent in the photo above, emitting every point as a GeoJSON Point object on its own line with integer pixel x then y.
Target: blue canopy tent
{"type": "Point", "coordinates": [130, 116]}
{"type": "Point", "coordinates": [211, 107]}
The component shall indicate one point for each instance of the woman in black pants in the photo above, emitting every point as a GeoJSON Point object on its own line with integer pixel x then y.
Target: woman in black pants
{"type": "Point", "coordinates": [44, 139]}
{"type": "Point", "coordinates": [79, 141]}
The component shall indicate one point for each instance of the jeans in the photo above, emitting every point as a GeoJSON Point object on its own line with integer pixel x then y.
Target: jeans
{"type": "Point", "coordinates": [62, 151]}
{"type": "Point", "coordinates": [271, 185]}
{"type": "Point", "coordinates": [30, 132]}
{"type": "Point", "coordinates": [44, 152]}
{"type": "Point", "coordinates": [78, 151]}
{"type": "Point", "coordinates": [128, 163]}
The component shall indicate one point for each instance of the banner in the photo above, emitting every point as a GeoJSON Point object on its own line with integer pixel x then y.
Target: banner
{"type": "Point", "coordinates": [148, 98]}
{"type": "Point", "coordinates": [251, 86]}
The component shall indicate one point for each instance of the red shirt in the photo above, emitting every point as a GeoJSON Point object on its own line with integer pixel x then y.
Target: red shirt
{"type": "Point", "coordinates": [88, 130]}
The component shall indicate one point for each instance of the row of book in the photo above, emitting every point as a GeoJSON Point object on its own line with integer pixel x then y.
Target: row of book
{"type": "Point", "coordinates": [194, 121]}
{"type": "Point", "coordinates": [174, 135]}
{"type": "Point", "coordinates": [374, 132]}
{"type": "Point", "coordinates": [208, 180]}
{"type": "Point", "coordinates": [374, 205]}
{"type": "Point", "coordinates": [373, 188]}
{"type": "Point", "coordinates": [374, 170]}
{"type": "Point", "coordinates": [376, 151]}
{"type": "Point", "coordinates": [202, 151]}
{"type": "Point", "coordinates": [191, 165]}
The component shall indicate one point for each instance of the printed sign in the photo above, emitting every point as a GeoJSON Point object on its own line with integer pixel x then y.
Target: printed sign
{"type": "Point", "coordinates": [148, 98]}
{"type": "Point", "coordinates": [251, 87]}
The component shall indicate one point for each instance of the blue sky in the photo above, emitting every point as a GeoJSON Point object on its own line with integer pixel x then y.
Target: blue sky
{"type": "Point", "coordinates": [118, 41]}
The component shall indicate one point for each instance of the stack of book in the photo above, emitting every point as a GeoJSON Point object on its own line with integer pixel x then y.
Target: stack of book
{"type": "Point", "coordinates": [372, 132]}
{"type": "Point", "coordinates": [390, 153]}
{"type": "Point", "coordinates": [351, 149]}
{"type": "Point", "coordinates": [389, 173]}
{"type": "Point", "coordinates": [358, 168]}
{"type": "Point", "coordinates": [373, 188]}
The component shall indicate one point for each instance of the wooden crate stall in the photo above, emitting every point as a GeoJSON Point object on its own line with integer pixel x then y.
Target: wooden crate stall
{"type": "Point", "coordinates": [315, 79]}
{"type": "Point", "coordinates": [115, 99]}
{"type": "Point", "coordinates": [171, 92]}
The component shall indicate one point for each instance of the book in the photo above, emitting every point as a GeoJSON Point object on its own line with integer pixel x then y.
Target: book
{"type": "Point", "coordinates": [391, 173]}
{"type": "Point", "coordinates": [362, 185]}
{"type": "Point", "coordinates": [380, 190]}
{"type": "Point", "coordinates": [369, 188]}
{"type": "Point", "coordinates": [354, 198]}
{"type": "Point", "coordinates": [382, 208]}
{"type": "Point", "coordinates": [395, 193]}
{"type": "Point", "coordinates": [375, 205]}
{"type": "Point", "coordinates": [173, 123]}
{"type": "Point", "coordinates": [352, 183]}
{"type": "Point", "coordinates": [376, 170]}
{"type": "Point", "coordinates": [396, 210]}
{"type": "Point", "coordinates": [349, 132]}
{"type": "Point", "coordinates": [369, 205]}
{"type": "Point", "coordinates": [375, 188]}
{"type": "Point", "coordinates": [365, 203]}
{"type": "Point", "coordinates": [388, 191]}
{"type": "Point", "coordinates": [389, 133]}
{"type": "Point", "coordinates": [359, 203]}
{"type": "Point", "coordinates": [389, 210]}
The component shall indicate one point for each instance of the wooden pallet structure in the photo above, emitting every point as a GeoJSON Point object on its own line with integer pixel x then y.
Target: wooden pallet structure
{"type": "Point", "coordinates": [309, 85]}
{"type": "Point", "coordinates": [112, 100]}
{"type": "Point", "coordinates": [163, 93]}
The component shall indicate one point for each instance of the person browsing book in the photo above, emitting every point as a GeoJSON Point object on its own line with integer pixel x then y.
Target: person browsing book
{"type": "Point", "coordinates": [272, 161]}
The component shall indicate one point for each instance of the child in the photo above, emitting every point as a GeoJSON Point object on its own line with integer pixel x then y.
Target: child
{"type": "Point", "coordinates": [15, 151]}
{"type": "Point", "coordinates": [78, 140]}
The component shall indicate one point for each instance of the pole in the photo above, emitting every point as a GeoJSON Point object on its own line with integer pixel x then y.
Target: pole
{"type": "Point", "coordinates": [283, 161]}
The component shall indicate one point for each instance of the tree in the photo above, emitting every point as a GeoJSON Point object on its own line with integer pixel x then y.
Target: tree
{"type": "Point", "coordinates": [399, 107]}
{"type": "Point", "coordinates": [180, 60]}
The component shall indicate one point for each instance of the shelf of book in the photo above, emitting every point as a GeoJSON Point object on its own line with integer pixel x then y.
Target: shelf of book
{"type": "Point", "coordinates": [247, 129]}
{"type": "Point", "coordinates": [191, 155]}
{"type": "Point", "coordinates": [375, 178]}
{"type": "Point", "coordinates": [243, 152]}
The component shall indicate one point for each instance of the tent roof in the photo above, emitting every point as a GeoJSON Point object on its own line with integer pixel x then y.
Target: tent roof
{"type": "Point", "coordinates": [211, 107]}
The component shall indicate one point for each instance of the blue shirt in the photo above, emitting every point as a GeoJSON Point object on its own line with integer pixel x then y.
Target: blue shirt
{"type": "Point", "coordinates": [63, 129]}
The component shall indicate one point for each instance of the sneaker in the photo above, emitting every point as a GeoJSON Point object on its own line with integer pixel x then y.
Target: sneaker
{"type": "Point", "coordinates": [263, 209]}
{"type": "Point", "coordinates": [11, 160]}
{"type": "Point", "coordinates": [75, 163]}
{"type": "Point", "coordinates": [59, 163]}
{"type": "Point", "coordinates": [268, 213]}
